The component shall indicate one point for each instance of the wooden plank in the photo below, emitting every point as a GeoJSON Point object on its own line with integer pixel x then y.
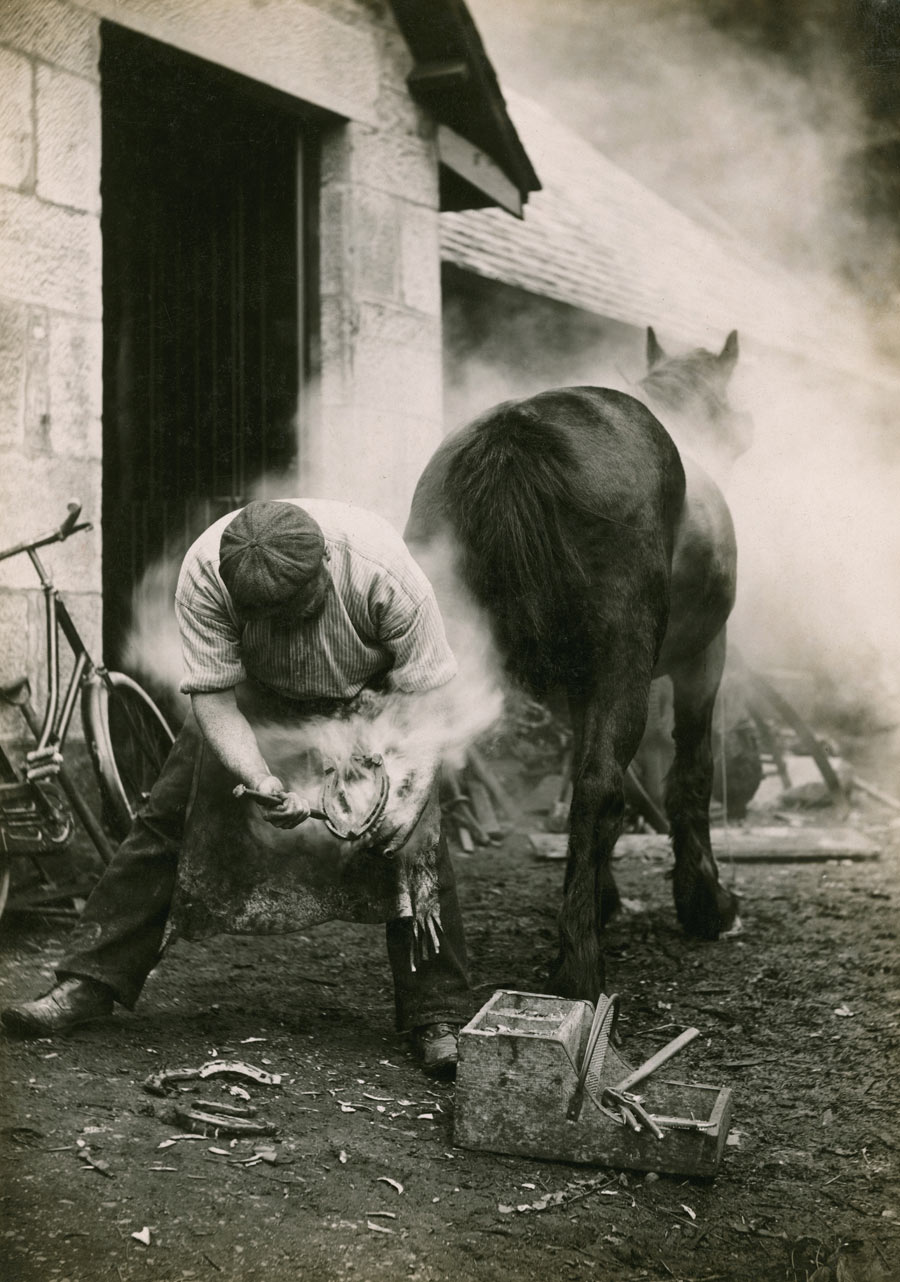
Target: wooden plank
{"type": "Point", "coordinates": [787, 845]}
{"type": "Point", "coordinates": [549, 845]}
{"type": "Point", "coordinates": [738, 845]}
{"type": "Point", "coordinates": [483, 808]}
{"type": "Point", "coordinates": [477, 168]}
{"type": "Point", "coordinates": [477, 765]}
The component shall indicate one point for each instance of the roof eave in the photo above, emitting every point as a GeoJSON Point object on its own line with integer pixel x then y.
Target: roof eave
{"type": "Point", "coordinates": [455, 81]}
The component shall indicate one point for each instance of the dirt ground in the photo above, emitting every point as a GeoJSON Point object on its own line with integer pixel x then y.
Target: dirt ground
{"type": "Point", "coordinates": [363, 1180]}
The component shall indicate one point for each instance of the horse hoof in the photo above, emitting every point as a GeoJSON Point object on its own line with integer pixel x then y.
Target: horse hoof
{"type": "Point", "coordinates": [566, 981]}
{"type": "Point", "coordinates": [708, 911]}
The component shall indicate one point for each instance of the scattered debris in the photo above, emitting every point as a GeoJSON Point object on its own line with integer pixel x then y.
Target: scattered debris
{"type": "Point", "coordinates": [574, 1191]}
{"type": "Point", "coordinates": [95, 1163]}
{"type": "Point", "coordinates": [142, 1236]}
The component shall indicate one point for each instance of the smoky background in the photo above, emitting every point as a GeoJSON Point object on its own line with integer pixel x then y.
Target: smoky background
{"type": "Point", "coordinates": [776, 127]}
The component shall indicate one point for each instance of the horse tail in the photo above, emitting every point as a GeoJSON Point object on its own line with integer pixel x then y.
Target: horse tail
{"type": "Point", "coordinates": [511, 492]}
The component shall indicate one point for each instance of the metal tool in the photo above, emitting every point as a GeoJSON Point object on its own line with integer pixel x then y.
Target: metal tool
{"type": "Point", "coordinates": [602, 1027]}
{"type": "Point", "coordinates": [335, 810]}
{"type": "Point", "coordinates": [621, 1096]}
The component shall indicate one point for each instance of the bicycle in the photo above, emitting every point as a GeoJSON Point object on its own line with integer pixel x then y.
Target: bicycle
{"type": "Point", "coordinates": [127, 736]}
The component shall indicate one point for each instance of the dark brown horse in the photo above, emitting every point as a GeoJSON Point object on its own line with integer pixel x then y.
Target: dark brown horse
{"type": "Point", "coordinates": [602, 559]}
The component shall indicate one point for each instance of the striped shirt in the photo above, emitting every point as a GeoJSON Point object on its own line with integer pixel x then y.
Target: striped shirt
{"type": "Point", "coordinates": [381, 620]}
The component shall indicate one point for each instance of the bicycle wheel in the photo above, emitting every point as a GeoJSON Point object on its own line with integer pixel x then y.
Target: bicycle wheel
{"type": "Point", "coordinates": [129, 739]}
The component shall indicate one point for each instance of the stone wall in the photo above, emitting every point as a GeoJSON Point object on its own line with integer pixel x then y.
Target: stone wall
{"type": "Point", "coordinates": [380, 395]}
{"type": "Point", "coordinates": [50, 312]}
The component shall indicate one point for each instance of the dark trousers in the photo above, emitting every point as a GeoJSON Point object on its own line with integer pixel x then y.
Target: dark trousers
{"type": "Point", "coordinates": [118, 937]}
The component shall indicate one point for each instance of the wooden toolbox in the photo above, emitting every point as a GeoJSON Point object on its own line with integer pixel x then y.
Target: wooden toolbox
{"type": "Point", "coordinates": [517, 1091]}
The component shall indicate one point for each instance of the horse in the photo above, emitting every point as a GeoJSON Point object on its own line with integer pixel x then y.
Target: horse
{"type": "Point", "coordinates": [602, 558]}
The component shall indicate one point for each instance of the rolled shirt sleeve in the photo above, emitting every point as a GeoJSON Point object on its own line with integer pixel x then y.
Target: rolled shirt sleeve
{"type": "Point", "coordinates": [423, 659]}
{"type": "Point", "coordinates": [210, 651]}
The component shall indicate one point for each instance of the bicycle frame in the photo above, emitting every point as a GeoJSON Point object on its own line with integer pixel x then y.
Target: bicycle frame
{"type": "Point", "coordinates": [45, 759]}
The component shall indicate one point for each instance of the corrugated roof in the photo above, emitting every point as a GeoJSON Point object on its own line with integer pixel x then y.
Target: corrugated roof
{"type": "Point", "coordinates": [598, 239]}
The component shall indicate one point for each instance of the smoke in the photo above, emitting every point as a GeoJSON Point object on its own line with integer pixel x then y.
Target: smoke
{"type": "Point", "coordinates": [743, 139]}
{"type": "Point", "coordinates": [815, 509]}
{"type": "Point", "coordinates": [759, 140]}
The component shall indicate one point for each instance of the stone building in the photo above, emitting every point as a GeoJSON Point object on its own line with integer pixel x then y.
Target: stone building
{"type": "Point", "coordinates": [219, 237]}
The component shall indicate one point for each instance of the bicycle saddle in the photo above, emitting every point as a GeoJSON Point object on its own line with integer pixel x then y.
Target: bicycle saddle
{"type": "Point", "coordinates": [16, 692]}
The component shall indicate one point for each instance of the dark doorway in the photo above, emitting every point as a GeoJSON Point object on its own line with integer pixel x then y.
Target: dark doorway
{"type": "Point", "coordinates": [207, 249]}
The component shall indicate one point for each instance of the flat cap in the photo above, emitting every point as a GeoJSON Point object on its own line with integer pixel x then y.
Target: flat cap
{"type": "Point", "coordinates": [268, 553]}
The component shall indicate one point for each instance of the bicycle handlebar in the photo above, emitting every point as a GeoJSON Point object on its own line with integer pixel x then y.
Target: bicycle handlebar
{"type": "Point", "coordinates": [71, 520]}
{"type": "Point", "coordinates": [71, 525]}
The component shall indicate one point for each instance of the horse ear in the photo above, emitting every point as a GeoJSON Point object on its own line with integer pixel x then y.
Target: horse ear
{"type": "Point", "coordinates": [655, 353]}
{"type": "Point", "coordinates": [729, 353]}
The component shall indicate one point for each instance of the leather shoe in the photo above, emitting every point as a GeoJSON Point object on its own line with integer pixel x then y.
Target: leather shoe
{"type": "Point", "coordinates": [437, 1048]}
{"type": "Point", "coordinates": [71, 1002]}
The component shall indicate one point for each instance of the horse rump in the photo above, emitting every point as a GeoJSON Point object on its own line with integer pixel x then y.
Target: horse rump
{"type": "Point", "coordinates": [532, 493]}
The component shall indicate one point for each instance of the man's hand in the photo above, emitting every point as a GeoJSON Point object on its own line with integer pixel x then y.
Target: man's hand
{"type": "Point", "coordinates": [291, 809]}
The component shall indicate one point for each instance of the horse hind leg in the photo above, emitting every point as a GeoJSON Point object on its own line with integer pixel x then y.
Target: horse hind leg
{"type": "Point", "coordinates": [608, 720]}
{"type": "Point", "coordinates": [705, 907]}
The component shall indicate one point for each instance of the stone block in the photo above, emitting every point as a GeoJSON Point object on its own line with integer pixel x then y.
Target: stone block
{"type": "Point", "coordinates": [75, 375]}
{"type": "Point", "coordinates": [36, 417]}
{"type": "Point", "coordinates": [390, 325]}
{"type": "Point", "coordinates": [68, 139]}
{"type": "Point", "coordinates": [56, 32]}
{"type": "Point", "coordinates": [396, 59]}
{"type": "Point", "coordinates": [34, 491]}
{"type": "Point", "coordinates": [16, 127]}
{"type": "Point", "coordinates": [420, 259]}
{"type": "Point", "coordinates": [376, 244]}
{"type": "Point", "coordinates": [390, 162]}
{"type": "Point", "coordinates": [400, 113]}
{"type": "Point", "coordinates": [49, 255]}
{"type": "Point", "coordinates": [330, 59]}
{"type": "Point", "coordinates": [12, 371]}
